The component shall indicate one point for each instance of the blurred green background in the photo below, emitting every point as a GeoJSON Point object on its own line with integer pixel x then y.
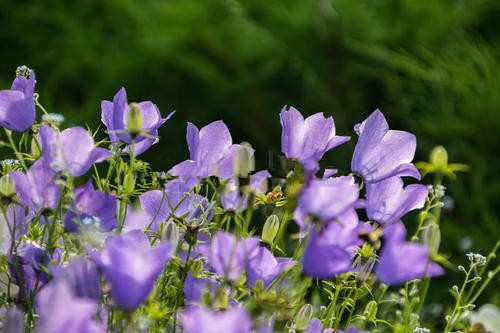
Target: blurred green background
{"type": "Point", "coordinates": [431, 66]}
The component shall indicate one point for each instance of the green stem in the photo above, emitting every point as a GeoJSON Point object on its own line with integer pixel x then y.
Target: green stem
{"type": "Point", "coordinates": [19, 156]}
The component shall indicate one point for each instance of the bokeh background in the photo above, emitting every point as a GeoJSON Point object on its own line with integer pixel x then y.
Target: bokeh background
{"type": "Point", "coordinates": [431, 66]}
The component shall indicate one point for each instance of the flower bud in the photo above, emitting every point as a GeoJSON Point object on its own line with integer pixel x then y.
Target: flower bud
{"type": "Point", "coordinates": [7, 186]}
{"type": "Point", "coordinates": [370, 311]}
{"type": "Point", "coordinates": [432, 237]}
{"type": "Point", "coordinates": [244, 162]}
{"type": "Point", "coordinates": [270, 230]}
{"type": "Point", "coordinates": [36, 151]}
{"type": "Point", "coordinates": [134, 119]}
{"type": "Point", "coordinates": [129, 183]}
{"type": "Point", "coordinates": [170, 233]}
{"type": "Point", "coordinates": [304, 317]}
{"type": "Point", "coordinates": [439, 158]}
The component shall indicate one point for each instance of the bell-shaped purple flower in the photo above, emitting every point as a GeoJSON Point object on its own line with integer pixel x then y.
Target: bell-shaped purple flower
{"type": "Point", "coordinates": [115, 116]}
{"type": "Point", "coordinates": [211, 153]}
{"type": "Point", "coordinates": [264, 266]}
{"type": "Point", "coordinates": [232, 199]}
{"type": "Point", "coordinates": [315, 326]}
{"type": "Point", "coordinates": [61, 311]}
{"type": "Point", "coordinates": [72, 150]}
{"type": "Point", "coordinates": [131, 266]}
{"type": "Point", "coordinates": [329, 251]}
{"type": "Point", "coordinates": [18, 219]}
{"type": "Point", "coordinates": [28, 267]}
{"type": "Point", "coordinates": [307, 140]}
{"type": "Point", "coordinates": [36, 189]}
{"type": "Point", "coordinates": [202, 320]}
{"type": "Point", "coordinates": [387, 200]}
{"type": "Point", "coordinates": [328, 198]}
{"type": "Point", "coordinates": [81, 276]}
{"type": "Point", "coordinates": [91, 204]}
{"type": "Point", "coordinates": [402, 261]}
{"type": "Point", "coordinates": [227, 255]}
{"type": "Point", "coordinates": [381, 153]}
{"type": "Point", "coordinates": [176, 200]}
{"type": "Point", "coordinates": [195, 288]}
{"type": "Point", "coordinates": [17, 105]}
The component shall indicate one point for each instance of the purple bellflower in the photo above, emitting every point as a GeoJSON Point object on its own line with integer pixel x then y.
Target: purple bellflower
{"type": "Point", "coordinates": [387, 200]}
{"type": "Point", "coordinates": [194, 288]}
{"type": "Point", "coordinates": [315, 326]}
{"type": "Point", "coordinates": [90, 205]}
{"type": "Point", "coordinates": [381, 153]}
{"type": "Point", "coordinates": [307, 140]}
{"type": "Point", "coordinates": [131, 266]}
{"type": "Point", "coordinates": [176, 200]}
{"type": "Point", "coordinates": [61, 311]}
{"type": "Point", "coordinates": [329, 252]}
{"type": "Point", "coordinates": [72, 150]}
{"type": "Point", "coordinates": [115, 116]}
{"type": "Point", "coordinates": [28, 267]}
{"type": "Point", "coordinates": [402, 261]}
{"type": "Point", "coordinates": [81, 276]}
{"type": "Point", "coordinates": [265, 267]}
{"type": "Point", "coordinates": [232, 199]}
{"type": "Point", "coordinates": [227, 255]}
{"type": "Point", "coordinates": [36, 188]}
{"type": "Point", "coordinates": [15, 213]}
{"type": "Point", "coordinates": [202, 320]}
{"type": "Point", "coordinates": [211, 153]}
{"type": "Point", "coordinates": [328, 198]}
{"type": "Point", "coordinates": [17, 105]}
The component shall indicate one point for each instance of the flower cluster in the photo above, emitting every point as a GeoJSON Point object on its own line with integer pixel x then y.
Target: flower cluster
{"type": "Point", "coordinates": [94, 240]}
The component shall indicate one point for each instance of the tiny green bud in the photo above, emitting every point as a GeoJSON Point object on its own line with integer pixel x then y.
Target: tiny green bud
{"type": "Point", "coordinates": [270, 229]}
{"type": "Point", "coordinates": [134, 119]}
{"type": "Point", "coordinates": [439, 158]}
{"type": "Point", "coordinates": [370, 311]}
{"type": "Point", "coordinates": [245, 162]}
{"type": "Point", "coordinates": [129, 183]}
{"type": "Point", "coordinates": [432, 237]}
{"type": "Point", "coordinates": [304, 316]}
{"type": "Point", "coordinates": [7, 186]}
{"type": "Point", "coordinates": [36, 152]}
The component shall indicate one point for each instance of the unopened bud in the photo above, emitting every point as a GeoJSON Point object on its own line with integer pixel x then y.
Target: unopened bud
{"type": "Point", "coordinates": [134, 119]}
{"type": "Point", "coordinates": [244, 162]}
{"type": "Point", "coordinates": [432, 237]}
{"type": "Point", "coordinates": [7, 186]}
{"type": "Point", "coordinates": [370, 311]}
{"type": "Point", "coordinates": [36, 151]}
{"type": "Point", "coordinates": [304, 317]}
{"type": "Point", "coordinates": [270, 230]}
{"type": "Point", "coordinates": [129, 183]}
{"type": "Point", "coordinates": [170, 233]}
{"type": "Point", "coordinates": [439, 158]}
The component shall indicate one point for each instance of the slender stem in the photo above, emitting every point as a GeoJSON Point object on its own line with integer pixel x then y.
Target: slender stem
{"type": "Point", "coordinates": [19, 156]}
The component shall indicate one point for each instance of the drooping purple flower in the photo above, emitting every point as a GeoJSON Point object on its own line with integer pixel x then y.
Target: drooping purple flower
{"type": "Point", "coordinates": [81, 276]}
{"type": "Point", "coordinates": [381, 153]}
{"type": "Point", "coordinates": [232, 199]}
{"type": "Point", "coordinates": [36, 188]}
{"type": "Point", "coordinates": [61, 311]}
{"type": "Point", "coordinates": [328, 198]}
{"type": "Point", "coordinates": [258, 181]}
{"type": "Point", "coordinates": [227, 255]}
{"type": "Point", "coordinates": [72, 150]}
{"type": "Point", "coordinates": [329, 251]}
{"type": "Point", "coordinates": [387, 200]}
{"type": "Point", "coordinates": [16, 218]}
{"type": "Point", "coordinates": [307, 140]}
{"type": "Point", "coordinates": [264, 266]}
{"type": "Point", "coordinates": [315, 326]}
{"type": "Point", "coordinates": [195, 288]}
{"type": "Point", "coordinates": [402, 261]}
{"type": "Point", "coordinates": [17, 104]}
{"type": "Point", "coordinates": [202, 320]}
{"type": "Point", "coordinates": [91, 204]}
{"type": "Point", "coordinates": [176, 200]}
{"type": "Point", "coordinates": [131, 266]}
{"type": "Point", "coordinates": [115, 116]}
{"type": "Point", "coordinates": [211, 153]}
{"type": "Point", "coordinates": [28, 266]}
{"type": "Point", "coordinates": [11, 320]}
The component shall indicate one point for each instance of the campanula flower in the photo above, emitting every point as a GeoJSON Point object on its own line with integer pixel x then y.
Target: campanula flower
{"type": "Point", "coordinates": [195, 288]}
{"type": "Point", "coordinates": [329, 251]}
{"type": "Point", "coordinates": [116, 116]}
{"type": "Point", "coordinates": [131, 266]}
{"type": "Point", "coordinates": [387, 200]}
{"type": "Point", "coordinates": [381, 153]}
{"type": "Point", "coordinates": [232, 199]}
{"type": "Point", "coordinates": [211, 153]}
{"type": "Point", "coordinates": [28, 267]}
{"type": "Point", "coordinates": [178, 200]}
{"type": "Point", "coordinates": [264, 266]}
{"type": "Point", "coordinates": [36, 189]}
{"type": "Point", "coordinates": [61, 311]}
{"type": "Point", "coordinates": [202, 320]}
{"type": "Point", "coordinates": [328, 198]}
{"type": "Point", "coordinates": [402, 261]}
{"type": "Point", "coordinates": [72, 150]}
{"type": "Point", "coordinates": [17, 104]}
{"type": "Point", "coordinates": [307, 140]}
{"type": "Point", "coordinates": [93, 204]}
{"type": "Point", "coordinates": [81, 276]}
{"type": "Point", "coordinates": [227, 255]}
{"type": "Point", "coordinates": [315, 326]}
{"type": "Point", "coordinates": [17, 218]}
